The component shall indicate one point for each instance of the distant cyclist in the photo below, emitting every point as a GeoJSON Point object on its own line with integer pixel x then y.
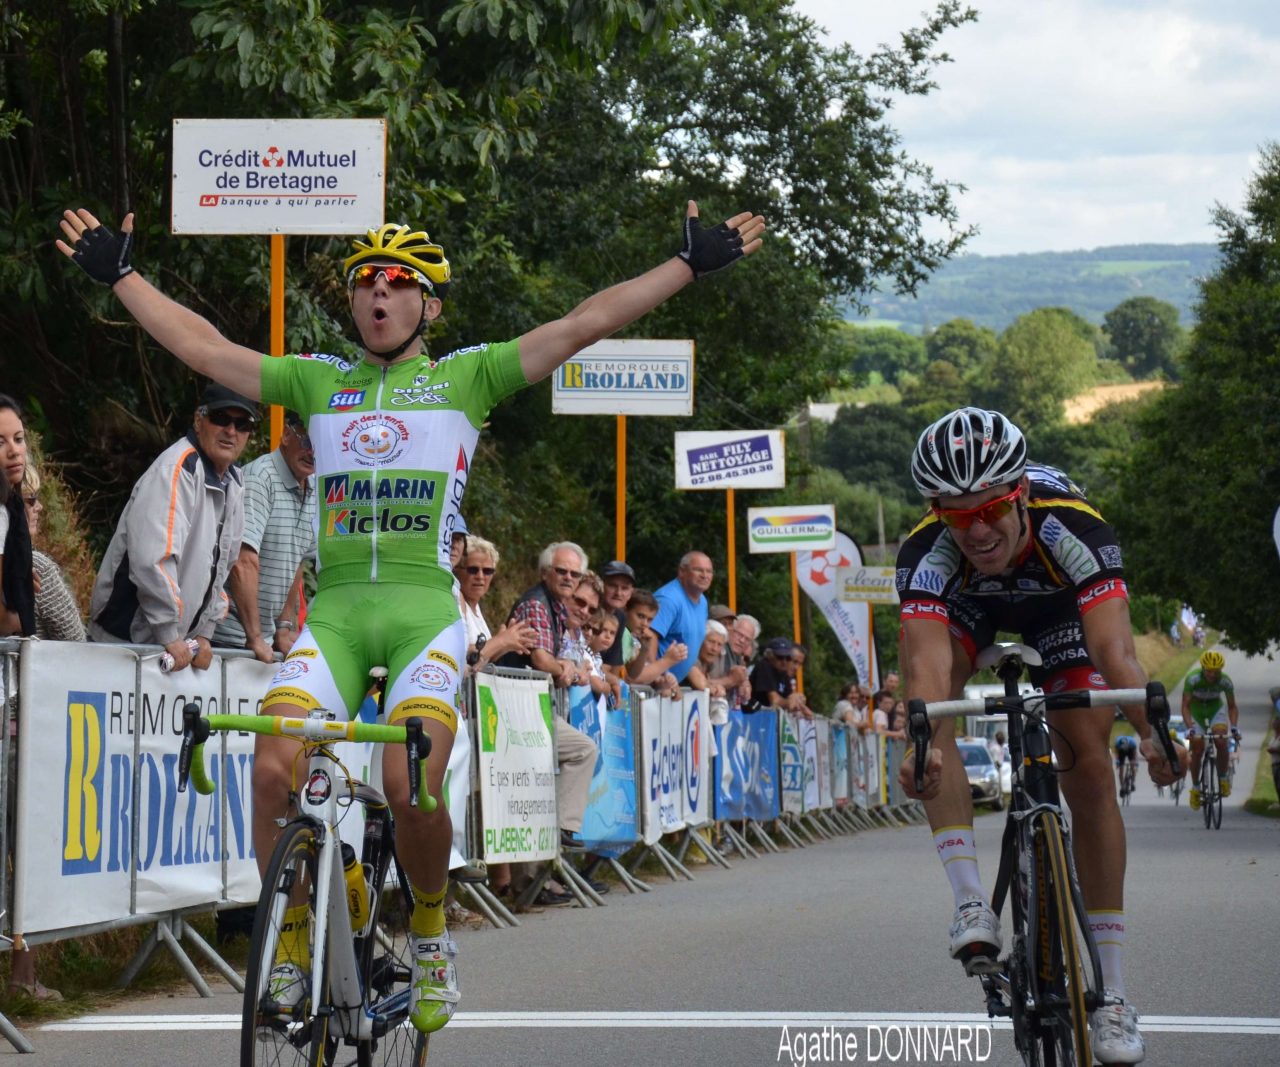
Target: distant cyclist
{"type": "Point", "coordinates": [1008, 546]}
{"type": "Point", "coordinates": [394, 433]}
{"type": "Point", "coordinates": [1205, 691]}
{"type": "Point", "coordinates": [1126, 752]}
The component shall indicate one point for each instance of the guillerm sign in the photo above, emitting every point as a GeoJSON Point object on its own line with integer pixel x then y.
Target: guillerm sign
{"type": "Point", "coordinates": [255, 176]}
{"type": "Point", "coordinates": [730, 460]}
{"type": "Point", "coordinates": [803, 528]}
{"type": "Point", "coordinates": [626, 377]}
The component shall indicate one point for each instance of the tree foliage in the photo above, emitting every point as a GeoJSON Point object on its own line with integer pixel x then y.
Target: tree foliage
{"type": "Point", "coordinates": [962, 343]}
{"type": "Point", "coordinates": [872, 445]}
{"type": "Point", "coordinates": [1145, 336]}
{"type": "Point", "coordinates": [1200, 492]}
{"type": "Point", "coordinates": [1042, 359]}
{"type": "Point", "coordinates": [886, 351]}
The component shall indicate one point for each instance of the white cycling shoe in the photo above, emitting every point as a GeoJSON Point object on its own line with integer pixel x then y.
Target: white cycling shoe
{"type": "Point", "coordinates": [287, 985]}
{"type": "Point", "coordinates": [434, 982]}
{"type": "Point", "coordinates": [1113, 1033]}
{"type": "Point", "coordinates": [975, 937]}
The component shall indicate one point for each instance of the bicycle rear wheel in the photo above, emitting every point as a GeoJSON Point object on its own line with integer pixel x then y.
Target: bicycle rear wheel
{"type": "Point", "coordinates": [1063, 1016]}
{"type": "Point", "coordinates": [384, 953]}
{"type": "Point", "coordinates": [274, 1031]}
{"type": "Point", "coordinates": [1209, 786]}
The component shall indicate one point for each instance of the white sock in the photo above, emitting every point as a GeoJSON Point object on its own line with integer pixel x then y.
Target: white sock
{"type": "Point", "coordinates": [959, 854]}
{"type": "Point", "coordinates": [1108, 932]}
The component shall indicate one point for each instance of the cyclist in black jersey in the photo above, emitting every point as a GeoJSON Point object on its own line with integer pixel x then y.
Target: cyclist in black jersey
{"type": "Point", "coordinates": [1010, 546]}
{"type": "Point", "coordinates": [1126, 751]}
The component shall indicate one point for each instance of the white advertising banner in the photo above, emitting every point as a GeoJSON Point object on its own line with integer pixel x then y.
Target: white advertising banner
{"type": "Point", "coordinates": [731, 460]}
{"type": "Point", "coordinates": [517, 768]}
{"type": "Point", "coordinates": [818, 574]}
{"type": "Point", "coordinates": [791, 760]}
{"type": "Point", "coordinates": [822, 763]}
{"type": "Point", "coordinates": [802, 528]}
{"type": "Point", "coordinates": [650, 737]}
{"type": "Point", "coordinates": [699, 791]}
{"type": "Point", "coordinates": [840, 764]}
{"type": "Point", "coordinates": [243, 176]}
{"type": "Point", "coordinates": [626, 377]}
{"type": "Point", "coordinates": [676, 744]}
{"type": "Point", "coordinates": [867, 585]}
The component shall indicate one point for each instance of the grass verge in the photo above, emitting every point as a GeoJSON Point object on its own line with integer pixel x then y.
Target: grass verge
{"type": "Point", "coordinates": [1263, 800]}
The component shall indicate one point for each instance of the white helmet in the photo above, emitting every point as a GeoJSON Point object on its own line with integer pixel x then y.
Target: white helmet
{"type": "Point", "coordinates": [967, 451]}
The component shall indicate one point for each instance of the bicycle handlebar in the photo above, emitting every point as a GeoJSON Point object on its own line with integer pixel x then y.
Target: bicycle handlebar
{"type": "Point", "coordinates": [196, 729]}
{"type": "Point", "coordinates": [920, 713]}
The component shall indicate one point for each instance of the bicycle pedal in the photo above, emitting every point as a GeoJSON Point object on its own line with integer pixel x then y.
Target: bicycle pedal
{"type": "Point", "coordinates": [979, 959]}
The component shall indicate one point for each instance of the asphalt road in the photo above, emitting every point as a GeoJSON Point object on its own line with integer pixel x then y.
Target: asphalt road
{"type": "Point", "coordinates": [748, 966]}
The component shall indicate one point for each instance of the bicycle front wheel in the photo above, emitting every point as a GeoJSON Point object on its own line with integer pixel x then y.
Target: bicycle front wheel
{"type": "Point", "coordinates": [1209, 786]}
{"type": "Point", "coordinates": [283, 1024]}
{"type": "Point", "coordinates": [384, 952]}
{"type": "Point", "coordinates": [1063, 1011]}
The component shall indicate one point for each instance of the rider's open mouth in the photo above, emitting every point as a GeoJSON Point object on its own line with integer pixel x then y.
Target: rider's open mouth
{"type": "Point", "coordinates": [379, 314]}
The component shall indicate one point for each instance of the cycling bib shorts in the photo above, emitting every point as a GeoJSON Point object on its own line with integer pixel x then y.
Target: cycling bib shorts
{"type": "Point", "coordinates": [416, 633]}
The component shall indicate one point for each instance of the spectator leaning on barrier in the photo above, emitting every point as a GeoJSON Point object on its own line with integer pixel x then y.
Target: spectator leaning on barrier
{"type": "Point", "coordinates": [851, 708]}
{"type": "Point", "coordinates": [279, 533]}
{"type": "Point", "coordinates": [17, 585]}
{"type": "Point", "coordinates": [545, 608]}
{"type": "Point", "coordinates": [161, 580]}
{"type": "Point", "coordinates": [601, 630]}
{"type": "Point", "coordinates": [475, 574]}
{"type": "Point", "coordinates": [891, 683]}
{"type": "Point", "coordinates": [799, 702]}
{"type": "Point", "coordinates": [574, 651]}
{"type": "Point", "coordinates": [682, 608]}
{"type": "Point", "coordinates": [882, 711]}
{"type": "Point", "coordinates": [771, 682]}
{"type": "Point", "coordinates": [743, 635]}
{"type": "Point", "coordinates": [644, 666]}
{"type": "Point", "coordinates": [619, 583]}
{"type": "Point", "coordinates": [57, 614]}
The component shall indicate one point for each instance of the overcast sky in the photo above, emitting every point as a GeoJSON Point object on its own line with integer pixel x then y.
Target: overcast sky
{"type": "Point", "coordinates": [1080, 123]}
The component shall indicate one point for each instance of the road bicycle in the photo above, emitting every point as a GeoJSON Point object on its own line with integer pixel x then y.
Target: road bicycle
{"type": "Point", "coordinates": [1051, 978]}
{"type": "Point", "coordinates": [353, 976]}
{"type": "Point", "coordinates": [1128, 781]}
{"type": "Point", "coordinates": [1209, 784]}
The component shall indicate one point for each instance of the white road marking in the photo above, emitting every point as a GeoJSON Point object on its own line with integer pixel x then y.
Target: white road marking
{"type": "Point", "coordinates": [680, 1020]}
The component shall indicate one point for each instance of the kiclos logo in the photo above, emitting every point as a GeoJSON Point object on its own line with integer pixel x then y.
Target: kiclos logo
{"type": "Point", "coordinates": [83, 783]}
{"type": "Point", "coordinates": [693, 754]}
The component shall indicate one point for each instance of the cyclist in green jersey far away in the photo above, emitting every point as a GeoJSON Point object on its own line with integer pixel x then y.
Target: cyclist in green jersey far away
{"type": "Point", "coordinates": [1203, 691]}
{"type": "Point", "coordinates": [393, 435]}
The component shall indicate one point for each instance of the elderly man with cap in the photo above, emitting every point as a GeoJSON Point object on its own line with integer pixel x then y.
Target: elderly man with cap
{"type": "Point", "coordinates": [279, 533]}
{"type": "Point", "coordinates": [773, 684]}
{"type": "Point", "coordinates": [161, 580]}
{"type": "Point", "coordinates": [619, 583]}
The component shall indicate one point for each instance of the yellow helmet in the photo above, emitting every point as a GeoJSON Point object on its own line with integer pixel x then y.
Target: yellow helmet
{"type": "Point", "coordinates": [1212, 661]}
{"type": "Point", "coordinates": [399, 244]}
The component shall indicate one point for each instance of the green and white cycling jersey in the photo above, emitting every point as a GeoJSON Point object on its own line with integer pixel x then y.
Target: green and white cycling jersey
{"type": "Point", "coordinates": [1206, 696]}
{"type": "Point", "coordinates": [393, 448]}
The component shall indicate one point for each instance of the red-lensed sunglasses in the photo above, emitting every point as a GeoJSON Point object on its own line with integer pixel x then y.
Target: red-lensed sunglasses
{"type": "Point", "coordinates": [991, 511]}
{"type": "Point", "coordinates": [398, 277]}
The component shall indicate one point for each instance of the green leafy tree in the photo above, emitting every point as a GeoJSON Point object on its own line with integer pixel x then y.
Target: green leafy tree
{"type": "Point", "coordinates": [962, 343]}
{"type": "Point", "coordinates": [1201, 489]}
{"type": "Point", "coordinates": [941, 388]}
{"type": "Point", "coordinates": [884, 350]}
{"type": "Point", "coordinates": [1145, 336]}
{"type": "Point", "coordinates": [872, 446]}
{"type": "Point", "coordinates": [1041, 360]}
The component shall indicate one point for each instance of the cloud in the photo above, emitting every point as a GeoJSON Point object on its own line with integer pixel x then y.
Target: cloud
{"type": "Point", "coordinates": [1102, 122]}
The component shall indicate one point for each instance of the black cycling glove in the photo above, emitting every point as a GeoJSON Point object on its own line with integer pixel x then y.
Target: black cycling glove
{"type": "Point", "coordinates": [707, 251]}
{"type": "Point", "coordinates": [104, 255]}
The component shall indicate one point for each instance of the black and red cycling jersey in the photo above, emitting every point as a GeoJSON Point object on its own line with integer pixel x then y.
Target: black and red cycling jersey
{"type": "Point", "coordinates": [1070, 565]}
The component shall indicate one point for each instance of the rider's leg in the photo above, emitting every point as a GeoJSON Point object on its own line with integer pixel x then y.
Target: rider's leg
{"type": "Point", "coordinates": [1196, 743]}
{"type": "Point", "coordinates": [1224, 754]}
{"type": "Point", "coordinates": [273, 759]}
{"type": "Point", "coordinates": [1098, 842]}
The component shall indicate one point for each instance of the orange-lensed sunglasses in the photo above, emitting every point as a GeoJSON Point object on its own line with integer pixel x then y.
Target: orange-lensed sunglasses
{"type": "Point", "coordinates": [398, 277]}
{"type": "Point", "coordinates": [991, 511]}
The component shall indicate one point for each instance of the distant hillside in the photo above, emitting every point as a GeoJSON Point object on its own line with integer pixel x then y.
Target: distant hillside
{"type": "Point", "coordinates": [995, 290]}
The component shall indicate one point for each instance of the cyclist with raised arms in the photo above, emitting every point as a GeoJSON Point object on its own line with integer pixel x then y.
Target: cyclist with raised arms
{"type": "Point", "coordinates": [1203, 692]}
{"type": "Point", "coordinates": [1012, 546]}
{"type": "Point", "coordinates": [394, 432]}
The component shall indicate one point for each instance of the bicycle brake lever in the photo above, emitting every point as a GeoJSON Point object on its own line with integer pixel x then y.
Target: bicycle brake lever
{"type": "Point", "coordinates": [474, 657]}
{"type": "Point", "coordinates": [195, 732]}
{"type": "Point", "coordinates": [1158, 718]}
{"type": "Point", "coordinates": [418, 744]}
{"type": "Point", "coordinates": [918, 728]}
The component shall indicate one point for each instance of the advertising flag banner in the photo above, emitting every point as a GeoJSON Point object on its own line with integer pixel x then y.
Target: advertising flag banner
{"type": "Point", "coordinates": [867, 585]}
{"type": "Point", "coordinates": [730, 460]}
{"type": "Point", "coordinates": [304, 176]}
{"type": "Point", "coordinates": [609, 824]}
{"type": "Point", "coordinates": [626, 377]}
{"type": "Point", "coordinates": [818, 574]}
{"type": "Point", "coordinates": [811, 528]}
{"type": "Point", "coordinates": [517, 769]}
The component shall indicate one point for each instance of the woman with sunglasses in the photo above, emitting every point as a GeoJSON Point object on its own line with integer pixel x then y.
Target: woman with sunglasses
{"type": "Point", "coordinates": [475, 571]}
{"type": "Point", "coordinates": [394, 431]}
{"type": "Point", "coordinates": [17, 588]}
{"type": "Point", "coordinates": [1017, 547]}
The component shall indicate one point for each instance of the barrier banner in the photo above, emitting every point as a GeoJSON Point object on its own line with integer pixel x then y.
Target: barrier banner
{"type": "Point", "coordinates": [894, 750]}
{"type": "Point", "coordinates": [517, 769]}
{"type": "Point", "coordinates": [841, 765]}
{"type": "Point", "coordinates": [650, 731]}
{"type": "Point", "coordinates": [877, 787]}
{"type": "Point", "coordinates": [698, 795]}
{"type": "Point", "coordinates": [609, 823]}
{"type": "Point", "coordinates": [730, 768]}
{"type": "Point", "coordinates": [761, 755]}
{"type": "Point", "coordinates": [822, 761]}
{"type": "Point", "coordinates": [792, 764]}
{"type": "Point", "coordinates": [858, 794]}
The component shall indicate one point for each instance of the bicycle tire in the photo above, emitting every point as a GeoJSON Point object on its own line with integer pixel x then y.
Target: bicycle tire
{"type": "Point", "coordinates": [385, 962]}
{"type": "Point", "coordinates": [1064, 1022]}
{"type": "Point", "coordinates": [304, 1040]}
{"type": "Point", "coordinates": [1209, 784]}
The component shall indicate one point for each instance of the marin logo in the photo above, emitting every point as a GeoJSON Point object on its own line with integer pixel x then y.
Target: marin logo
{"type": "Point", "coordinates": [375, 440]}
{"type": "Point", "coordinates": [347, 398]}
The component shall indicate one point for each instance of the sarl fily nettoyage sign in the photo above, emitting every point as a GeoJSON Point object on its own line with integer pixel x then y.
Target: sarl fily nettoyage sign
{"type": "Point", "coordinates": [731, 460]}
{"type": "Point", "coordinates": [241, 176]}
